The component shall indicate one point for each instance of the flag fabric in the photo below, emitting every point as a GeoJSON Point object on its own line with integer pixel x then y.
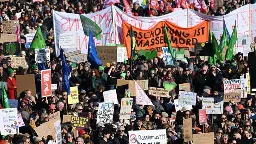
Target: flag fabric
{"type": "Point", "coordinates": [141, 97]}
{"type": "Point", "coordinates": [38, 41]}
{"type": "Point", "coordinates": [5, 103]}
{"type": "Point", "coordinates": [225, 27]}
{"type": "Point", "coordinates": [109, 3]}
{"type": "Point", "coordinates": [166, 37]}
{"type": "Point", "coordinates": [90, 26]}
{"type": "Point", "coordinates": [215, 48]}
{"type": "Point", "coordinates": [224, 38]}
{"type": "Point", "coordinates": [233, 39]}
{"type": "Point", "coordinates": [65, 72]}
{"type": "Point", "coordinates": [133, 42]}
{"type": "Point", "coordinates": [92, 53]}
{"type": "Point", "coordinates": [127, 7]}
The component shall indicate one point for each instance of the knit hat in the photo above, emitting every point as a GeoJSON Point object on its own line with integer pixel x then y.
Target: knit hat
{"type": "Point", "coordinates": [123, 75]}
{"type": "Point", "coordinates": [101, 68]}
{"type": "Point", "coordinates": [34, 67]}
{"type": "Point", "coordinates": [10, 71]}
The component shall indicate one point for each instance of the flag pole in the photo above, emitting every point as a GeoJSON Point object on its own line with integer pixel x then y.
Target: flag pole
{"type": "Point", "coordinates": [131, 55]}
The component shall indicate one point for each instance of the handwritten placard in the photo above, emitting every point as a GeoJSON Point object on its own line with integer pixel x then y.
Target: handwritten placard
{"type": "Point", "coordinates": [19, 62]}
{"type": "Point", "coordinates": [187, 129]}
{"type": "Point", "coordinates": [185, 87]}
{"type": "Point", "coordinates": [231, 85]}
{"type": "Point", "coordinates": [55, 115]}
{"type": "Point", "coordinates": [79, 122]}
{"type": "Point", "coordinates": [203, 138]}
{"type": "Point", "coordinates": [126, 108]}
{"type": "Point", "coordinates": [57, 127]}
{"type": "Point", "coordinates": [234, 96]}
{"type": "Point", "coordinates": [68, 41]}
{"type": "Point", "coordinates": [202, 116]}
{"type": "Point", "coordinates": [107, 54]}
{"type": "Point", "coordinates": [110, 96]}
{"type": "Point", "coordinates": [187, 98]}
{"type": "Point", "coordinates": [10, 27]}
{"type": "Point", "coordinates": [8, 121]}
{"type": "Point", "coordinates": [73, 97]}
{"type": "Point", "coordinates": [105, 113]}
{"type": "Point", "coordinates": [42, 55]}
{"type": "Point", "coordinates": [158, 92]}
{"type": "Point", "coordinates": [76, 57]}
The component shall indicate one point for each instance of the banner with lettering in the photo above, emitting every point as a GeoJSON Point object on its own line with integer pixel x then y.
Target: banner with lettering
{"type": "Point", "coordinates": [154, 38]}
{"type": "Point", "coordinates": [126, 108]}
{"type": "Point", "coordinates": [46, 82]}
{"type": "Point", "coordinates": [148, 136]}
{"type": "Point", "coordinates": [105, 113]}
{"type": "Point", "coordinates": [8, 121]}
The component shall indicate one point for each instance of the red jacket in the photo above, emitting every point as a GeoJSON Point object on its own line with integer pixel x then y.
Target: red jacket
{"type": "Point", "coordinates": [11, 83]}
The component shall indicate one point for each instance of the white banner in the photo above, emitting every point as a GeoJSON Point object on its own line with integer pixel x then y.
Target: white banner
{"type": "Point", "coordinates": [8, 121]}
{"type": "Point", "coordinates": [187, 98]}
{"type": "Point", "coordinates": [110, 96]}
{"type": "Point", "coordinates": [126, 108]}
{"type": "Point", "coordinates": [105, 113]}
{"type": "Point", "coordinates": [148, 137]}
{"type": "Point", "coordinates": [110, 20]}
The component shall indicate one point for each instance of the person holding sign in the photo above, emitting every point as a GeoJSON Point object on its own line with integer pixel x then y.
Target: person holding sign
{"type": "Point", "coordinates": [11, 84]}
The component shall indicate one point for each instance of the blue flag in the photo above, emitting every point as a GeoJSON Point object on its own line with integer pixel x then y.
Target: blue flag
{"type": "Point", "coordinates": [225, 27]}
{"type": "Point", "coordinates": [41, 66]}
{"type": "Point", "coordinates": [65, 72]}
{"type": "Point", "coordinates": [92, 53]}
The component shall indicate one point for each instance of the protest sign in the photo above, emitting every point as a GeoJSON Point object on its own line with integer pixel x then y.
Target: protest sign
{"type": "Point", "coordinates": [121, 54]}
{"type": "Point", "coordinates": [158, 92]}
{"type": "Point", "coordinates": [105, 113]}
{"type": "Point", "coordinates": [19, 62]}
{"type": "Point", "coordinates": [46, 80]}
{"type": "Point", "coordinates": [203, 138]}
{"type": "Point", "coordinates": [187, 129]}
{"type": "Point", "coordinates": [8, 121]}
{"type": "Point", "coordinates": [4, 0]}
{"type": "Point", "coordinates": [68, 41]}
{"type": "Point", "coordinates": [166, 56]}
{"type": "Point", "coordinates": [187, 98]}
{"type": "Point", "coordinates": [12, 48]}
{"type": "Point", "coordinates": [54, 86]}
{"type": "Point", "coordinates": [79, 122]}
{"type": "Point", "coordinates": [110, 96]}
{"type": "Point", "coordinates": [29, 79]}
{"type": "Point", "coordinates": [10, 27]}
{"type": "Point", "coordinates": [73, 96]}
{"type": "Point", "coordinates": [179, 107]}
{"type": "Point", "coordinates": [13, 103]}
{"type": "Point", "coordinates": [141, 97]}
{"type": "Point", "coordinates": [126, 108]}
{"type": "Point", "coordinates": [184, 87]}
{"type": "Point", "coordinates": [42, 55]}
{"type": "Point", "coordinates": [107, 54]}
{"type": "Point", "coordinates": [234, 96]}
{"type": "Point", "coordinates": [8, 38]}
{"type": "Point", "coordinates": [29, 38]}
{"type": "Point", "coordinates": [66, 118]}
{"type": "Point", "coordinates": [142, 83]}
{"type": "Point", "coordinates": [211, 107]}
{"type": "Point", "coordinates": [20, 121]}
{"type": "Point", "coordinates": [57, 127]}
{"type": "Point", "coordinates": [154, 37]}
{"type": "Point", "coordinates": [148, 136]}
{"type": "Point", "coordinates": [202, 116]}
{"type": "Point", "coordinates": [48, 128]}
{"type": "Point", "coordinates": [76, 57]}
{"type": "Point", "coordinates": [55, 115]}
{"type": "Point", "coordinates": [231, 85]}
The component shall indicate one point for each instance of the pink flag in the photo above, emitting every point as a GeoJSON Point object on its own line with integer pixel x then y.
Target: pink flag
{"type": "Point", "coordinates": [108, 3]}
{"type": "Point", "coordinates": [141, 97]}
{"type": "Point", "coordinates": [127, 7]}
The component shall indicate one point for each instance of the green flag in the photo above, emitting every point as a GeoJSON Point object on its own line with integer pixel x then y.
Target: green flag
{"type": "Point", "coordinates": [166, 38]}
{"type": "Point", "coordinates": [5, 103]}
{"type": "Point", "coordinates": [210, 37]}
{"type": "Point", "coordinates": [89, 25]}
{"type": "Point", "coordinates": [38, 41]}
{"type": "Point", "coordinates": [233, 39]}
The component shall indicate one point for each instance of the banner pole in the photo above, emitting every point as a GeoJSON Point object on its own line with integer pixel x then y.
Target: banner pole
{"type": "Point", "coordinates": [187, 18]}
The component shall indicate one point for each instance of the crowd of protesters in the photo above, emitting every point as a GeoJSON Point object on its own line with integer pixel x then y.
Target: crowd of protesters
{"type": "Point", "coordinates": [235, 125]}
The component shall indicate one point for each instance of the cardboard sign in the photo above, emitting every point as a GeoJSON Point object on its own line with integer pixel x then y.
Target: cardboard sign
{"type": "Point", "coordinates": [187, 98]}
{"type": "Point", "coordinates": [73, 97]}
{"type": "Point", "coordinates": [8, 38]}
{"type": "Point", "coordinates": [187, 130]}
{"type": "Point", "coordinates": [142, 83]}
{"type": "Point", "coordinates": [158, 92]}
{"type": "Point", "coordinates": [68, 41]}
{"type": "Point", "coordinates": [46, 80]}
{"type": "Point", "coordinates": [107, 54]}
{"type": "Point", "coordinates": [79, 122]}
{"type": "Point", "coordinates": [8, 120]}
{"type": "Point", "coordinates": [231, 85]}
{"type": "Point", "coordinates": [148, 136]}
{"type": "Point", "coordinates": [202, 116]}
{"type": "Point", "coordinates": [25, 82]}
{"type": "Point", "coordinates": [110, 96]}
{"type": "Point", "coordinates": [19, 62]}
{"type": "Point", "coordinates": [105, 113]}
{"type": "Point", "coordinates": [234, 96]}
{"type": "Point", "coordinates": [47, 128]}
{"type": "Point", "coordinates": [76, 57]}
{"type": "Point", "coordinates": [126, 108]}
{"type": "Point", "coordinates": [66, 118]}
{"type": "Point", "coordinates": [13, 103]}
{"type": "Point", "coordinates": [54, 86]}
{"type": "Point", "coordinates": [203, 138]}
{"type": "Point", "coordinates": [12, 48]}
{"type": "Point", "coordinates": [55, 115]}
{"type": "Point", "coordinates": [184, 87]}
{"type": "Point", "coordinates": [10, 27]}
{"type": "Point", "coordinates": [42, 55]}
{"type": "Point", "coordinates": [153, 38]}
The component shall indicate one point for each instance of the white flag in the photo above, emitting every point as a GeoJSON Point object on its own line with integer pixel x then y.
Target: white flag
{"type": "Point", "coordinates": [141, 97]}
